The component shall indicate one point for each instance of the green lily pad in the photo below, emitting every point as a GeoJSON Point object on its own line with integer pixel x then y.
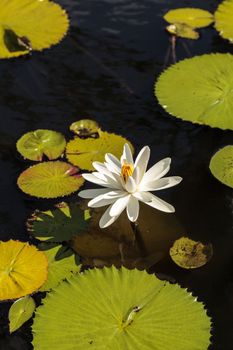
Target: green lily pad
{"type": "Point", "coordinates": [221, 165]}
{"type": "Point", "coordinates": [182, 31]}
{"type": "Point", "coordinates": [193, 17]}
{"type": "Point", "coordinates": [28, 25]}
{"type": "Point", "coordinates": [83, 152]}
{"type": "Point", "coordinates": [223, 19]}
{"type": "Point", "coordinates": [59, 224]}
{"type": "Point", "coordinates": [20, 312]}
{"type": "Point", "coordinates": [199, 89]}
{"type": "Point", "coordinates": [120, 309]}
{"type": "Point", "coordinates": [58, 269]}
{"type": "Point", "coordinates": [50, 180]}
{"type": "Point", "coordinates": [35, 144]}
{"type": "Point", "coordinates": [85, 128]}
{"type": "Point", "coordinates": [190, 254]}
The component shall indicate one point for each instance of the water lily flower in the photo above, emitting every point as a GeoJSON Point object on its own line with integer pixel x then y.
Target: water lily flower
{"type": "Point", "coordinates": [126, 183]}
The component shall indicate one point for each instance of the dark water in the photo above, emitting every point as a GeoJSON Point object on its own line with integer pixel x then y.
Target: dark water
{"type": "Point", "coordinates": [105, 69]}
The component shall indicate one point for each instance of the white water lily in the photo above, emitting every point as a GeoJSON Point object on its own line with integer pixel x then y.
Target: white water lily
{"type": "Point", "coordinates": [126, 182]}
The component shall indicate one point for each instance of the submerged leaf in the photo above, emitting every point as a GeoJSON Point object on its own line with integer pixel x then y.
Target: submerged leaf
{"type": "Point", "coordinates": [50, 180]}
{"type": "Point", "coordinates": [199, 90]}
{"type": "Point", "coordinates": [190, 254]}
{"type": "Point", "coordinates": [83, 152]}
{"type": "Point", "coordinates": [35, 144]}
{"type": "Point", "coordinates": [120, 309]}
{"type": "Point", "coordinates": [85, 128]}
{"type": "Point", "coordinates": [194, 17]}
{"type": "Point", "coordinates": [221, 165]}
{"type": "Point", "coordinates": [23, 269]}
{"type": "Point", "coordinates": [20, 312]}
{"type": "Point", "coordinates": [59, 224]}
{"type": "Point", "coordinates": [27, 25]}
{"type": "Point", "coordinates": [223, 19]}
{"type": "Point", "coordinates": [183, 31]}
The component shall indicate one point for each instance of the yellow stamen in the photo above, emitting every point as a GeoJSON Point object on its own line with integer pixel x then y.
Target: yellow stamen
{"type": "Point", "coordinates": [126, 171]}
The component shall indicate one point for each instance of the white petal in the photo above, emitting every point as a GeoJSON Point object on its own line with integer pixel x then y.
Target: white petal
{"type": "Point", "coordinates": [160, 184]}
{"type": "Point", "coordinates": [153, 201]}
{"type": "Point", "coordinates": [130, 185]}
{"type": "Point", "coordinates": [106, 220]}
{"type": "Point", "coordinates": [127, 155]}
{"type": "Point", "coordinates": [94, 179]}
{"type": "Point", "coordinates": [157, 171]}
{"type": "Point", "coordinates": [101, 168]}
{"type": "Point", "coordinates": [103, 180]}
{"type": "Point", "coordinates": [112, 163]}
{"type": "Point", "coordinates": [133, 209]}
{"type": "Point", "coordinates": [119, 205]}
{"type": "Point", "coordinates": [105, 199]}
{"type": "Point", "coordinates": [142, 161]}
{"type": "Point", "coordinates": [92, 193]}
{"type": "Point", "coordinates": [136, 175]}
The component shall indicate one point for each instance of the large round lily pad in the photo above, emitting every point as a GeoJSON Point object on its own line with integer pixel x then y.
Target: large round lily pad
{"type": "Point", "coordinates": [83, 152]}
{"type": "Point", "coordinates": [120, 309]}
{"type": "Point", "coordinates": [223, 19]}
{"type": "Point", "coordinates": [194, 17]}
{"type": "Point", "coordinates": [23, 269]}
{"type": "Point", "coordinates": [221, 165]}
{"type": "Point", "coordinates": [200, 90]}
{"type": "Point", "coordinates": [50, 180]}
{"type": "Point", "coordinates": [28, 25]}
{"type": "Point", "coordinates": [35, 144]}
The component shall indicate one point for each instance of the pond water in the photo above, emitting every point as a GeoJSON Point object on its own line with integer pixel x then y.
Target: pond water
{"type": "Point", "coordinates": [105, 69]}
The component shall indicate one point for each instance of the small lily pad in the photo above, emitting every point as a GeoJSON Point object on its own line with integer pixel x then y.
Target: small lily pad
{"type": "Point", "coordinates": [223, 19]}
{"type": "Point", "coordinates": [221, 165]}
{"type": "Point", "coordinates": [183, 31]}
{"type": "Point", "coordinates": [28, 25]}
{"type": "Point", "coordinates": [20, 312]}
{"type": "Point", "coordinates": [190, 254]}
{"type": "Point", "coordinates": [50, 180]}
{"type": "Point", "coordinates": [59, 224]}
{"type": "Point", "coordinates": [193, 17]}
{"type": "Point", "coordinates": [122, 309]}
{"type": "Point", "coordinates": [23, 269]}
{"type": "Point", "coordinates": [83, 152]}
{"type": "Point", "coordinates": [35, 144]}
{"type": "Point", "coordinates": [85, 128]}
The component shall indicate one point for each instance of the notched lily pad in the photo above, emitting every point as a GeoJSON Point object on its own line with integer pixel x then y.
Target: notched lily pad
{"type": "Point", "coordinates": [194, 17]}
{"type": "Point", "coordinates": [23, 269]}
{"type": "Point", "coordinates": [190, 254]}
{"type": "Point", "coordinates": [223, 19]}
{"type": "Point", "coordinates": [59, 224]}
{"type": "Point", "coordinates": [221, 165]}
{"type": "Point", "coordinates": [83, 152]}
{"type": "Point", "coordinates": [20, 312]}
{"type": "Point", "coordinates": [85, 128]}
{"type": "Point", "coordinates": [35, 144]}
{"type": "Point", "coordinates": [127, 309]}
{"type": "Point", "coordinates": [50, 180]}
{"type": "Point", "coordinates": [28, 25]}
{"type": "Point", "coordinates": [183, 31]}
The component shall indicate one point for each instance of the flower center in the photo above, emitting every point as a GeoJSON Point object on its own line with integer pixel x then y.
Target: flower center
{"type": "Point", "coordinates": [126, 171]}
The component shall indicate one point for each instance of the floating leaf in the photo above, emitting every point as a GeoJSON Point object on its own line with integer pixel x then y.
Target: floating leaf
{"type": "Point", "coordinates": [59, 224]}
{"type": "Point", "coordinates": [30, 25]}
{"type": "Point", "coordinates": [199, 90]}
{"type": "Point", "coordinates": [50, 180]}
{"type": "Point", "coordinates": [193, 17]}
{"type": "Point", "coordinates": [58, 269]}
{"type": "Point", "coordinates": [23, 269]}
{"type": "Point", "coordinates": [20, 312]}
{"type": "Point", "coordinates": [35, 144]}
{"type": "Point", "coordinates": [221, 165]}
{"type": "Point", "coordinates": [183, 31]}
{"type": "Point", "coordinates": [190, 254]}
{"type": "Point", "coordinates": [223, 19]}
{"type": "Point", "coordinates": [82, 152]}
{"type": "Point", "coordinates": [85, 128]}
{"type": "Point", "coordinates": [120, 309]}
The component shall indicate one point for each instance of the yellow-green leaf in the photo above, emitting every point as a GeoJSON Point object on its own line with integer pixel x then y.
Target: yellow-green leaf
{"type": "Point", "coordinates": [27, 25]}
{"type": "Point", "coordinates": [50, 180]}
{"type": "Point", "coordinates": [85, 128]}
{"type": "Point", "coordinates": [83, 152]}
{"type": "Point", "coordinates": [194, 17]}
{"type": "Point", "coordinates": [183, 31]}
{"type": "Point", "coordinates": [20, 312]}
{"type": "Point", "coordinates": [224, 19]}
{"type": "Point", "coordinates": [221, 165]}
{"type": "Point", "coordinates": [35, 144]}
{"type": "Point", "coordinates": [23, 269]}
